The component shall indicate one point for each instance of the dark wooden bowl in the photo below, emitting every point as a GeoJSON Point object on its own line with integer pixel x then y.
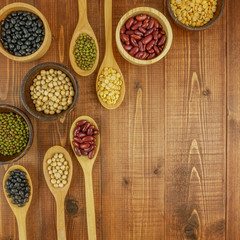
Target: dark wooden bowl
{"type": "Point", "coordinates": [27, 82]}
{"type": "Point", "coordinates": [216, 16]}
{"type": "Point", "coordinates": [17, 156]}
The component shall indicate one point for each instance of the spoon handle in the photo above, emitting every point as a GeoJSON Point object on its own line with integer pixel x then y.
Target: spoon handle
{"type": "Point", "coordinates": [61, 231]}
{"type": "Point", "coordinates": [22, 232]}
{"type": "Point", "coordinates": [91, 224]}
{"type": "Point", "coordinates": [108, 26]}
{"type": "Point", "coordinates": [82, 10]}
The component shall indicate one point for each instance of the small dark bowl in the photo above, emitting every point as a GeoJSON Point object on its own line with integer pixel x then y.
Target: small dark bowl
{"type": "Point", "coordinates": [27, 82]}
{"type": "Point", "coordinates": [216, 16]}
{"type": "Point", "coordinates": [16, 157]}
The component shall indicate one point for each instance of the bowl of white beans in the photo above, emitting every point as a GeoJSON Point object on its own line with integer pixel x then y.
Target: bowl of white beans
{"type": "Point", "coordinates": [49, 91]}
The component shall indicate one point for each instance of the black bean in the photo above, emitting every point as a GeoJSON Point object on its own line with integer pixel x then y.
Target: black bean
{"type": "Point", "coordinates": [20, 205]}
{"type": "Point", "coordinates": [6, 25]}
{"type": "Point", "coordinates": [11, 46]}
{"type": "Point", "coordinates": [25, 200]}
{"type": "Point", "coordinates": [13, 21]}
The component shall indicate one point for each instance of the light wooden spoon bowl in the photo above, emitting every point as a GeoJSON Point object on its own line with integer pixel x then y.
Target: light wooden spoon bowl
{"type": "Point", "coordinates": [58, 193]}
{"type": "Point", "coordinates": [87, 166]}
{"type": "Point", "coordinates": [83, 26]}
{"type": "Point", "coordinates": [19, 212]}
{"type": "Point", "coordinates": [109, 60]}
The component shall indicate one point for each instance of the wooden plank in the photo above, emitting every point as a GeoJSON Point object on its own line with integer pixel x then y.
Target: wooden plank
{"type": "Point", "coordinates": [195, 135]}
{"type": "Point", "coordinates": [133, 151]}
{"type": "Point", "coordinates": [233, 108]}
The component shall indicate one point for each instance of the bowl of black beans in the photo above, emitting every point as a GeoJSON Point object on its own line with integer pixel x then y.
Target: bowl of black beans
{"type": "Point", "coordinates": [17, 186]}
{"type": "Point", "coordinates": [25, 34]}
{"type": "Point", "coordinates": [16, 134]}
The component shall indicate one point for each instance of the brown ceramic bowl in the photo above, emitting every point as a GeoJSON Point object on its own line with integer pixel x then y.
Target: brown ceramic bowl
{"type": "Point", "coordinates": [19, 6]}
{"type": "Point", "coordinates": [216, 16]}
{"type": "Point", "coordinates": [27, 82]}
{"type": "Point", "coordinates": [16, 157]}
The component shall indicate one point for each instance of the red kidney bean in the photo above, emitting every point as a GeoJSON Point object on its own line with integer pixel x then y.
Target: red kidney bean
{"type": "Point", "coordinates": [129, 32]}
{"type": "Point", "coordinates": [75, 144]}
{"type": "Point", "coordinates": [137, 37]}
{"type": "Point", "coordinates": [134, 51]}
{"type": "Point", "coordinates": [83, 152]}
{"type": "Point", "coordinates": [81, 135]}
{"type": "Point", "coordinates": [92, 127]}
{"type": "Point", "coordinates": [141, 17]}
{"type": "Point", "coordinates": [156, 49]}
{"type": "Point", "coordinates": [151, 24]}
{"type": "Point", "coordinates": [78, 140]}
{"type": "Point", "coordinates": [91, 154]}
{"type": "Point", "coordinates": [137, 32]}
{"type": "Point", "coordinates": [133, 42]}
{"type": "Point", "coordinates": [129, 23]}
{"type": "Point", "coordinates": [148, 32]}
{"type": "Point", "coordinates": [127, 47]}
{"type": "Point", "coordinates": [155, 35]}
{"type": "Point", "coordinates": [123, 29]}
{"type": "Point", "coordinates": [150, 45]}
{"type": "Point", "coordinates": [84, 145]}
{"type": "Point", "coordinates": [124, 37]}
{"type": "Point", "coordinates": [156, 23]}
{"type": "Point", "coordinates": [88, 139]}
{"type": "Point", "coordinates": [163, 46]}
{"type": "Point", "coordinates": [76, 131]}
{"type": "Point", "coordinates": [141, 29]}
{"type": "Point", "coordinates": [145, 25]}
{"type": "Point", "coordinates": [151, 56]}
{"type": "Point", "coordinates": [77, 151]}
{"type": "Point", "coordinates": [151, 50]}
{"type": "Point", "coordinates": [94, 146]}
{"type": "Point", "coordinates": [135, 21]}
{"type": "Point", "coordinates": [88, 149]}
{"type": "Point", "coordinates": [144, 56]}
{"type": "Point", "coordinates": [162, 40]}
{"type": "Point", "coordinates": [128, 43]}
{"type": "Point", "coordinates": [163, 32]}
{"type": "Point", "coordinates": [138, 55]}
{"type": "Point", "coordinates": [86, 126]}
{"type": "Point", "coordinates": [80, 123]}
{"type": "Point", "coordinates": [96, 132]}
{"type": "Point", "coordinates": [159, 35]}
{"type": "Point", "coordinates": [89, 132]}
{"type": "Point", "coordinates": [140, 45]}
{"type": "Point", "coordinates": [136, 26]}
{"type": "Point", "coordinates": [146, 21]}
{"type": "Point", "coordinates": [147, 39]}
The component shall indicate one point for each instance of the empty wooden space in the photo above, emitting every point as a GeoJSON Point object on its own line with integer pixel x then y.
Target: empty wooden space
{"type": "Point", "coordinates": [168, 163]}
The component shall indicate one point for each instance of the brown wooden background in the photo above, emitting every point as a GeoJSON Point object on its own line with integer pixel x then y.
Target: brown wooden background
{"type": "Point", "coordinates": [168, 167]}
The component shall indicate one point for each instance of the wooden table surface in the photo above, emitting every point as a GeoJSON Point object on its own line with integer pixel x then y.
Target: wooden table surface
{"type": "Point", "coordinates": [168, 167]}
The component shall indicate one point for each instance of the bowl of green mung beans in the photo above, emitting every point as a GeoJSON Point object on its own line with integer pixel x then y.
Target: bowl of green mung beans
{"type": "Point", "coordinates": [16, 134]}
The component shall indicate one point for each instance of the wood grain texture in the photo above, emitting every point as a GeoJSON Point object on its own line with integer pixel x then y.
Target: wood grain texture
{"type": "Point", "coordinates": [161, 169]}
{"type": "Point", "coordinates": [233, 118]}
{"type": "Point", "coordinates": [195, 162]}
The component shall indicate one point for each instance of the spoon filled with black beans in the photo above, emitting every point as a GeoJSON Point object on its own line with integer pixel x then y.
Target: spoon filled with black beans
{"type": "Point", "coordinates": [18, 191]}
{"type": "Point", "coordinates": [22, 33]}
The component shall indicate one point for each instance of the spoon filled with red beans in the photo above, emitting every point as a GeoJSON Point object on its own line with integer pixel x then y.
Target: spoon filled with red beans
{"type": "Point", "coordinates": [143, 37]}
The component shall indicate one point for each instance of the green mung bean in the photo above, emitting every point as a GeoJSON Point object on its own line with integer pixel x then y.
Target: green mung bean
{"type": "Point", "coordinates": [14, 134]}
{"type": "Point", "coordinates": [85, 52]}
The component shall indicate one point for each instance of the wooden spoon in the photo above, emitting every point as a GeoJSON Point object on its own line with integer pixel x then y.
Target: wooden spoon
{"type": "Point", "coordinates": [109, 60]}
{"type": "Point", "coordinates": [19, 212]}
{"type": "Point", "coordinates": [87, 166]}
{"type": "Point", "coordinates": [58, 193]}
{"type": "Point", "coordinates": [83, 26]}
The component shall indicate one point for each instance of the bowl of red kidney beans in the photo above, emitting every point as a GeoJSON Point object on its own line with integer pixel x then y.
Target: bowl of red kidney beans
{"type": "Point", "coordinates": [143, 36]}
